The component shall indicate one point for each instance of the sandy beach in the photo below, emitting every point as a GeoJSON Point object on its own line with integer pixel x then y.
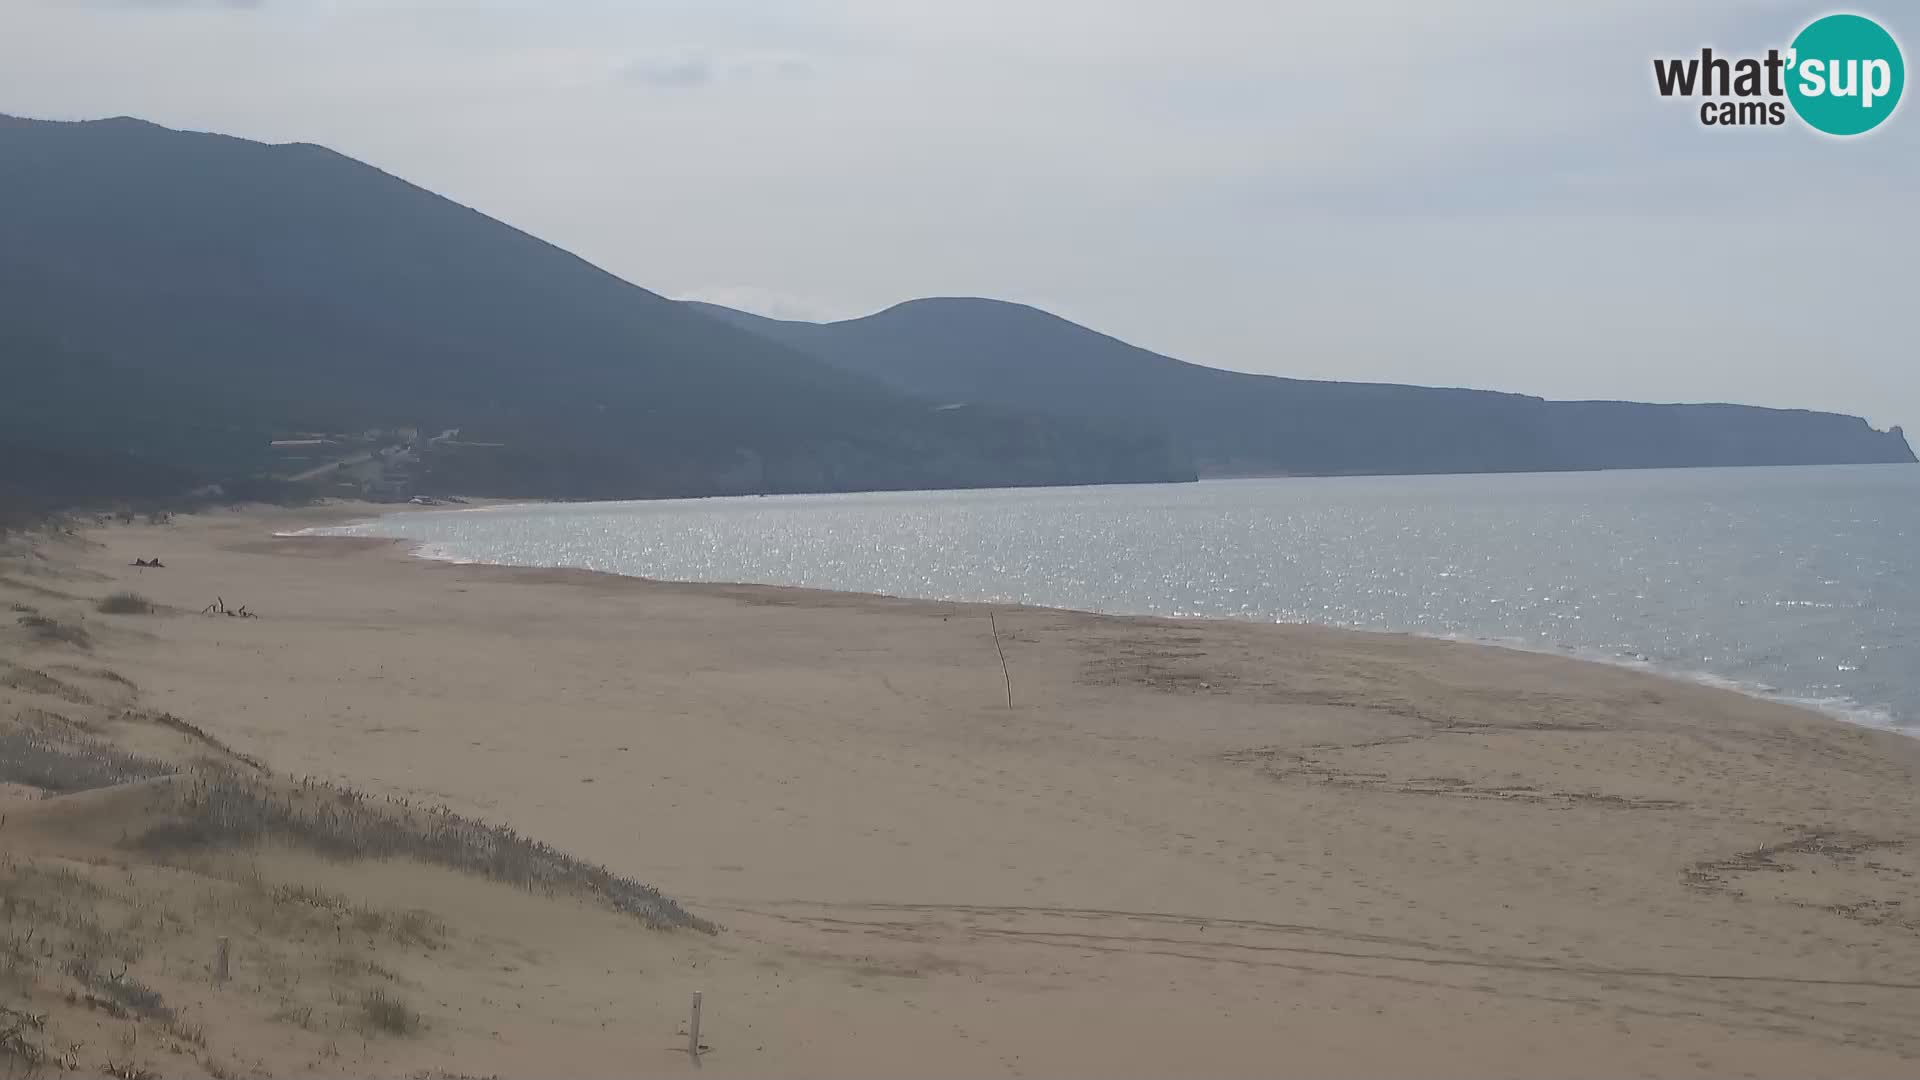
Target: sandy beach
{"type": "Point", "coordinates": [1186, 848]}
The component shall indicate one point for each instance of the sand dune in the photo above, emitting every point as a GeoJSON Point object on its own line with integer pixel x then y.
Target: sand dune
{"type": "Point", "coordinates": [1187, 848]}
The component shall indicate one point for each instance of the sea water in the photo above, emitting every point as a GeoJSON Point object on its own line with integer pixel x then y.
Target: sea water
{"type": "Point", "coordinates": [1797, 583]}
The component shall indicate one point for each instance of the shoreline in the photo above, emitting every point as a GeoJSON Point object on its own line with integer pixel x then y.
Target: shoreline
{"type": "Point", "coordinates": [1842, 709]}
{"type": "Point", "coordinates": [1189, 845]}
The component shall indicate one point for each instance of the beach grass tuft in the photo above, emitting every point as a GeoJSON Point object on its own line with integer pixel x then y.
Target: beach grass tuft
{"type": "Point", "coordinates": [126, 603]}
{"type": "Point", "coordinates": [220, 811]}
{"type": "Point", "coordinates": [387, 1012]}
{"type": "Point", "coordinates": [33, 681]}
{"type": "Point", "coordinates": [62, 768]}
{"type": "Point", "coordinates": [49, 630]}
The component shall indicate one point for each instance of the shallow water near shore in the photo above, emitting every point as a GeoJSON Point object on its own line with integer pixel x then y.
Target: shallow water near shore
{"type": "Point", "coordinates": [1796, 583]}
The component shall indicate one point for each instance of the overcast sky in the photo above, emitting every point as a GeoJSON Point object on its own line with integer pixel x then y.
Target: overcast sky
{"type": "Point", "coordinates": [1481, 193]}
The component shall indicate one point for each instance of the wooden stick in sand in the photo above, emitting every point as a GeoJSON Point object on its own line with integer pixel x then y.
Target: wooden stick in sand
{"type": "Point", "coordinates": [693, 1028]}
{"type": "Point", "coordinates": [1003, 659]}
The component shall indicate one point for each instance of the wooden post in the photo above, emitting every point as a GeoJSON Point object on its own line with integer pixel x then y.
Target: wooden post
{"type": "Point", "coordinates": [1004, 673]}
{"type": "Point", "coordinates": [221, 969]}
{"type": "Point", "coordinates": [693, 1028]}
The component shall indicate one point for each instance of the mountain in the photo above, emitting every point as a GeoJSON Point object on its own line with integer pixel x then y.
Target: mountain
{"type": "Point", "coordinates": [994, 353]}
{"type": "Point", "coordinates": [178, 309]}
{"type": "Point", "coordinates": [171, 303]}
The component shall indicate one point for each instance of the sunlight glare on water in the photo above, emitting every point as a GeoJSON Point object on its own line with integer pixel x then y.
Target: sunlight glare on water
{"type": "Point", "coordinates": [1801, 583]}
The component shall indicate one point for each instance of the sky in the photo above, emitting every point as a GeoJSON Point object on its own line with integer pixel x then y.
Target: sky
{"type": "Point", "coordinates": [1482, 193]}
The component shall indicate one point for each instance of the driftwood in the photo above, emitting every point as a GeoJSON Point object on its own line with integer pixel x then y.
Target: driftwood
{"type": "Point", "coordinates": [219, 607]}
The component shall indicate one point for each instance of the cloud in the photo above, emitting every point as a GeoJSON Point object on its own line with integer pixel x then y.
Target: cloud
{"type": "Point", "coordinates": [773, 67]}
{"type": "Point", "coordinates": [668, 73]}
{"type": "Point", "coordinates": [679, 71]}
{"type": "Point", "coordinates": [178, 5]}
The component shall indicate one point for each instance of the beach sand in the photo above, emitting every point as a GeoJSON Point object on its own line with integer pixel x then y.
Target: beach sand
{"type": "Point", "coordinates": [1186, 848]}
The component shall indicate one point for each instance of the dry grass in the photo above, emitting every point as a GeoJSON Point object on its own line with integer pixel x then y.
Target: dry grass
{"type": "Point", "coordinates": [48, 630]}
{"type": "Point", "coordinates": [300, 1016]}
{"type": "Point", "coordinates": [101, 673]}
{"type": "Point", "coordinates": [219, 811]}
{"type": "Point", "coordinates": [386, 1012]}
{"type": "Point", "coordinates": [47, 722]}
{"type": "Point", "coordinates": [18, 1044]}
{"type": "Point", "coordinates": [413, 926]}
{"type": "Point", "coordinates": [228, 812]}
{"type": "Point", "coordinates": [192, 1034]}
{"type": "Point", "coordinates": [83, 940]}
{"type": "Point", "coordinates": [194, 732]}
{"type": "Point", "coordinates": [311, 897]}
{"type": "Point", "coordinates": [29, 758]}
{"type": "Point", "coordinates": [28, 680]}
{"type": "Point", "coordinates": [126, 603]}
{"type": "Point", "coordinates": [130, 994]}
{"type": "Point", "coordinates": [60, 918]}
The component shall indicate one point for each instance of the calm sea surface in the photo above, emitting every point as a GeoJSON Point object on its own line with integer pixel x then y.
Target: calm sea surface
{"type": "Point", "coordinates": [1800, 583]}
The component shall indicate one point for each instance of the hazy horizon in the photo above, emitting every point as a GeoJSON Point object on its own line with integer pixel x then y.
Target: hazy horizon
{"type": "Point", "coordinates": [1490, 197]}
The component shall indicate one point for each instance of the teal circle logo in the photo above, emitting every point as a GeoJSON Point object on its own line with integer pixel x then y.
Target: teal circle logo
{"type": "Point", "coordinates": [1845, 74]}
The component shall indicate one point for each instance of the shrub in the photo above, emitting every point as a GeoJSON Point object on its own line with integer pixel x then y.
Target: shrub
{"type": "Point", "coordinates": [386, 1012]}
{"type": "Point", "coordinates": [135, 996]}
{"type": "Point", "coordinates": [127, 603]}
